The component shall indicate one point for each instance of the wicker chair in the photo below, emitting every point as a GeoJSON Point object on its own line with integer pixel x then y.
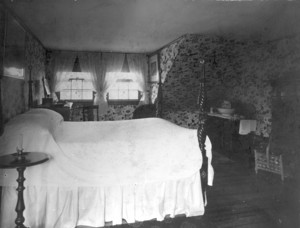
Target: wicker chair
{"type": "Point", "coordinates": [264, 160]}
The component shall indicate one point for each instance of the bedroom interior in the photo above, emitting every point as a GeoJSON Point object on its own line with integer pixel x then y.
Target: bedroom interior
{"type": "Point", "coordinates": [251, 53]}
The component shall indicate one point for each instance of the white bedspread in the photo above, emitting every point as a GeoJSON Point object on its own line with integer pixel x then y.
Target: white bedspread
{"type": "Point", "coordinates": [103, 171]}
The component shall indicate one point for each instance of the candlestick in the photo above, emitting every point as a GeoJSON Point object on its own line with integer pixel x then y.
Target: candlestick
{"type": "Point", "coordinates": [20, 156]}
{"type": "Point", "coordinates": [20, 142]}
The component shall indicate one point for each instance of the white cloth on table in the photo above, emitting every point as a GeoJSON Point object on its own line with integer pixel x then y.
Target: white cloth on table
{"type": "Point", "coordinates": [210, 170]}
{"type": "Point", "coordinates": [247, 126]}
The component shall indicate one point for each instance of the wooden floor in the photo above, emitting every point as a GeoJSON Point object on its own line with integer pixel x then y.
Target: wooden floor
{"type": "Point", "coordinates": [240, 198]}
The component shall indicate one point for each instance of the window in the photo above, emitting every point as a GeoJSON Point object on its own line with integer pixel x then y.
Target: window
{"type": "Point", "coordinates": [76, 86]}
{"type": "Point", "coordinates": [123, 89]}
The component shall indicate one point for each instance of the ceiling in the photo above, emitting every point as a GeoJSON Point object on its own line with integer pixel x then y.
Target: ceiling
{"type": "Point", "coordinates": [147, 25]}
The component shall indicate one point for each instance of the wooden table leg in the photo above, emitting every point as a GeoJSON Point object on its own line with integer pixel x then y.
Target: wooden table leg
{"type": "Point", "coordinates": [20, 207]}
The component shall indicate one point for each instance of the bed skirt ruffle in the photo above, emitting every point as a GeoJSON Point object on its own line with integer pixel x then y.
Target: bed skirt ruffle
{"type": "Point", "coordinates": [63, 207]}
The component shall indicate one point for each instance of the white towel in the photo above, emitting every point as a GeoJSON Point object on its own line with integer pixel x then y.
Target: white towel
{"type": "Point", "coordinates": [210, 169]}
{"type": "Point", "coordinates": [246, 126]}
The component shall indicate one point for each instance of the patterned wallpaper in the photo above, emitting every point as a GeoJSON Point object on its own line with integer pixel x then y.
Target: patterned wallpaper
{"type": "Point", "coordinates": [15, 91]}
{"type": "Point", "coordinates": [118, 112]}
{"type": "Point", "coordinates": [35, 55]}
{"type": "Point", "coordinates": [12, 97]}
{"type": "Point", "coordinates": [12, 89]}
{"type": "Point", "coordinates": [1, 67]}
{"type": "Point", "coordinates": [167, 57]}
{"type": "Point", "coordinates": [114, 112]}
{"type": "Point", "coordinates": [242, 75]}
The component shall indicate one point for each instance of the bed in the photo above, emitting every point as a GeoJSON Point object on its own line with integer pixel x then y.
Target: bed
{"type": "Point", "coordinates": [99, 172]}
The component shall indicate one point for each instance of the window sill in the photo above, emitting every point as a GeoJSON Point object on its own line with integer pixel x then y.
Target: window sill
{"type": "Point", "coordinates": [123, 102]}
{"type": "Point", "coordinates": [77, 101]}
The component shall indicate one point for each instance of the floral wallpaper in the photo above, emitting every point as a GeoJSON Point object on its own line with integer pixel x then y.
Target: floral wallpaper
{"type": "Point", "coordinates": [13, 102]}
{"type": "Point", "coordinates": [115, 112]}
{"type": "Point", "coordinates": [12, 94]}
{"type": "Point", "coordinates": [167, 56]}
{"type": "Point", "coordinates": [242, 74]}
{"type": "Point", "coordinates": [1, 67]}
{"type": "Point", "coordinates": [35, 56]}
{"type": "Point", "coordinates": [15, 91]}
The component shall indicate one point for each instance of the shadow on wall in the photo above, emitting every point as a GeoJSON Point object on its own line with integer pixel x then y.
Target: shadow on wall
{"type": "Point", "coordinates": [245, 109]}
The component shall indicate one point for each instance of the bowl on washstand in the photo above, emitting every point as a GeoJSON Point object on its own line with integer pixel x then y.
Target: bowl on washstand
{"type": "Point", "coordinates": [226, 111]}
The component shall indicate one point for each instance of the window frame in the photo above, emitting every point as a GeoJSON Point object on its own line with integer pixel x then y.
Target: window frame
{"type": "Point", "coordinates": [121, 101]}
{"type": "Point", "coordinates": [80, 90]}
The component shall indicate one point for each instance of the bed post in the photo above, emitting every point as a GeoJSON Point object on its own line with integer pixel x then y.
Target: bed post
{"type": "Point", "coordinates": [1, 112]}
{"type": "Point", "coordinates": [159, 92]}
{"type": "Point", "coordinates": [201, 131]}
{"type": "Point", "coordinates": [159, 101]}
{"type": "Point", "coordinates": [30, 81]}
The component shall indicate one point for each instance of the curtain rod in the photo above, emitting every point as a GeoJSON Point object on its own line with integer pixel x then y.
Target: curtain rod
{"type": "Point", "coordinates": [115, 52]}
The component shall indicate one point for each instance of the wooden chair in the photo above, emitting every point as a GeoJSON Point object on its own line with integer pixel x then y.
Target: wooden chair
{"type": "Point", "coordinates": [90, 112]}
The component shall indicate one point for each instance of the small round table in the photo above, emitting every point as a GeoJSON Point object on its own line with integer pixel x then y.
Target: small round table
{"type": "Point", "coordinates": [20, 162]}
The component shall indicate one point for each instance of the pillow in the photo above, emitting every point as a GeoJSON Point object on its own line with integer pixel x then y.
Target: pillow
{"type": "Point", "coordinates": [37, 118]}
{"type": "Point", "coordinates": [35, 127]}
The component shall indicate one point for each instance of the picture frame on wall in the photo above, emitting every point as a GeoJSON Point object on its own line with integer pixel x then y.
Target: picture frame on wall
{"type": "Point", "coordinates": [14, 48]}
{"type": "Point", "coordinates": [153, 68]}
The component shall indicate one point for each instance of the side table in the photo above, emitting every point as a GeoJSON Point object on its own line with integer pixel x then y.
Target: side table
{"type": "Point", "coordinates": [20, 162]}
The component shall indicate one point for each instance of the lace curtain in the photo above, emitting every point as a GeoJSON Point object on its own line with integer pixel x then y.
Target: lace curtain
{"type": "Point", "coordinates": [100, 65]}
{"type": "Point", "coordinates": [92, 62]}
{"type": "Point", "coordinates": [112, 62]}
{"type": "Point", "coordinates": [63, 62]}
{"type": "Point", "coordinates": [138, 65]}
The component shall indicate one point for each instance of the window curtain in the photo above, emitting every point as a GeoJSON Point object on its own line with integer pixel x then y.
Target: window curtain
{"type": "Point", "coordinates": [92, 62]}
{"type": "Point", "coordinates": [99, 64]}
{"type": "Point", "coordinates": [138, 65]}
{"type": "Point", "coordinates": [63, 62]}
{"type": "Point", "coordinates": [113, 62]}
